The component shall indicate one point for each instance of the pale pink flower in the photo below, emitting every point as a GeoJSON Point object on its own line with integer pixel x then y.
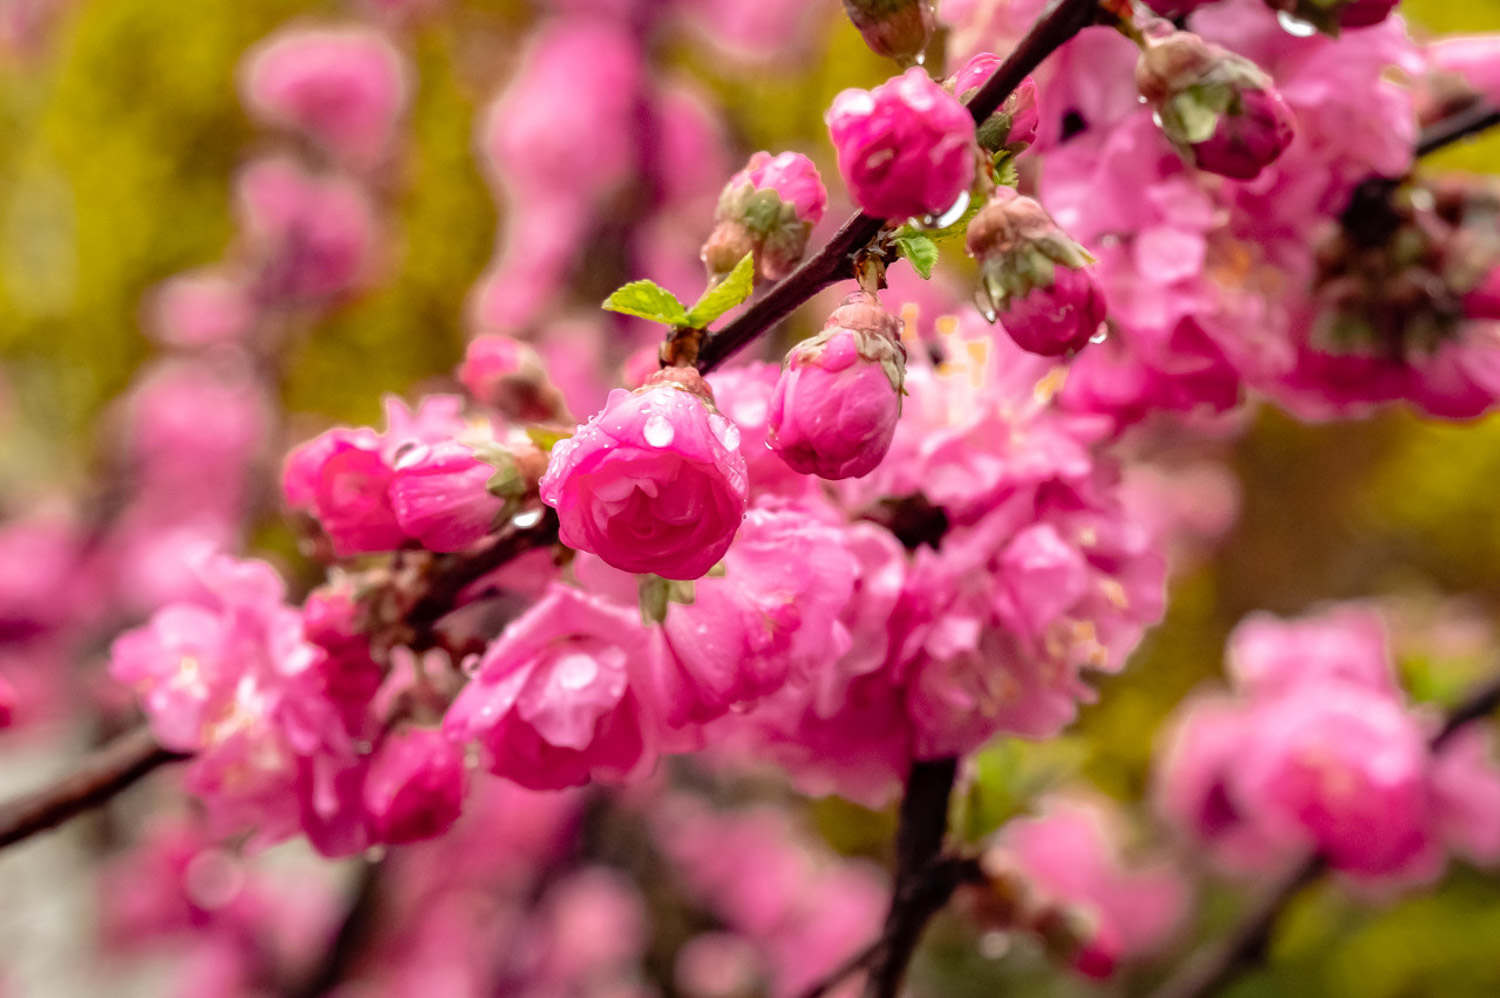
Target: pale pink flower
{"type": "Point", "coordinates": [440, 498]}
{"type": "Point", "coordinates": [552, 701]}
{"type": "Point", "coordinates": [1475, 58]}
{"type": "Point", "coordinates": [507, 374]}
{"type": "Point", "coordinates": [415, 787]}
{"type": "Point", "coordinates": [310, 237]}
{"type": "Point", "coordinates": [1346, 643]}
{"type": "Point", "coordinates": [905, 148]}
{"type": "Point", "coordinates": [654, 482]}
{"type": "Point", "coordinates": [346, 87]}
{"type": "Point", "coordinates": [1466, 790]}
{"type": "Point", "coordinates": [201, 307]}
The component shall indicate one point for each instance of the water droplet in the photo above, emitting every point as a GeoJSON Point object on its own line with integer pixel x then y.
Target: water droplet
{"type": "Point", "coordinates": [658, 431]}
{"type": "Point", "coordinates": [411, 455]}
{"type": "Point", "coordinates": [954, 213]}
{"type": "Point", "coordinates": [994, 945]}
{"type": "Point", "coordinates": [1100, 335]}
{"type": "Point", "coordinates": [574, 672]}
{"type": "Point", "coordinates": [1156, 117]}
{"type": "Point", "coordinates": [526, 518]}
{"type": "Point", "coordinates": [1295, 26]}
{"type": "Point", "coordinates": [920, 59]}
{"type": "Point", "coordinates": [727, 433]}
{"type": "Point", "coordinates": [1141, 100]}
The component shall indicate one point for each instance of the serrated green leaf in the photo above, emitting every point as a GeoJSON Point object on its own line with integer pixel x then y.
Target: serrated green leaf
{"type": "Point", "coordinates": [647, 300]}
{"type": "Point", "coordinates": [918, 248]}
{"type": "Point", "coordinates": [733, 289]}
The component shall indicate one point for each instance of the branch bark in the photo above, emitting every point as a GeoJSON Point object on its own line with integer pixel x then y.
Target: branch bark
{"type": "Point", "coordinates": [97, 778]}
{"type": "Point", "coordinates": [1472, 120]}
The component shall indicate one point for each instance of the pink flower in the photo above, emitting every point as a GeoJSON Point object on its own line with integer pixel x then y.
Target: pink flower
{"type": "Point", "coordinates": [1466, 789]}
{"type": "Point", "coordinates": [743, 394]}
{"type": "Point", "coordinates": [345, 87]}
{"type": "Point", "coordinates": [1012, 127]}
{"type": "Point", "coordinates": [1059, 319]}
{"type": "Point", "coordinates": [1346, 643]}
{"type": "Point", "coordinates": [415, 787]}
{"type": "Point", "coordinates": [904, 149]}
{"type": "Point", "coordinates": [201, 307]}
{"type": "Point", "coordinates": [1175, 8]}
{"type": "Point", "coordinates": [837, 402]}
{"type": "Point", "coordinates": [507, 374]}
{"type": "Point", "coordinates": [654, 482]}
{"type": "Point", "coordinates": [341, 477]}
{"type": "Point", "coordinates": [312, 238]}
{"type": "Point", "coordinates": [8, 701]}
{"type": "Point", "coordinates": [896, 29]}
{"type": "Point", "coordinates": [552, 702]}
{"type": "Point", "coordinates": [440, 497]}
{"type": "Point", "coordinates": [769, 208]}
{"type": "Point", "coordinates": [1475, 58]}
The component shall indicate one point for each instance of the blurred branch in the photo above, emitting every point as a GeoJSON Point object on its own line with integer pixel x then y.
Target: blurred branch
{"type": "Point", "coordinates": [1212, 969]}
{"type": "Point", "coordinates": [1468, 122]}
{"type": "Point", "coordinates": [354, 934]}
{"type": "Point", "coordinates": [100, 776]}
{"type": "Point", "coordinates": [835, 261]}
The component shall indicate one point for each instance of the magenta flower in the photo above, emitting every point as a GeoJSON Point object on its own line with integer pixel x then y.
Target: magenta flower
{"type": "Point", "coordinates": [1034, 277]}
{"type": "Point", "coordinates": [654, 482]}
{"type": "Point", "coordinates": [551, 701]}
{"type": "Point", "coordinates": [415, 787]}
{"type": "Point", "coordinates": [344, 87]}
{"type": "Point", "coordinates": [905, 148]}
{"type": "Point", "coordinates": [341, 477]}
{"type": "Point", "coordinates": [837, 402]}
{"type": "Point", "coordinates": [440, 496]}
{"type": "Point", "coordinates": [769, 208]}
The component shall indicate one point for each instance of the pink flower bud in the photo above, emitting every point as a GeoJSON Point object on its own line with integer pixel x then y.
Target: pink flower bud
{"type": "Point", "coordinates": [331, 615]}
{"type": "Point", "coordinates": [200, 308]}
{"type": "Point", "coordinates": [1215, 106]}
{"type": "Point", "coordinates": [838, 399]}
{"type": "Point", "coordinates": [904, 148]}
{"type": "Point", "coordinates": [312, 238]}
{"type": "Point", "coordinates": [896, 29]}
{"type": "Point", "coordinates": [415, 787]}
{"type": "Point", "coordinates": [345, 88]}
{"type": "Point", "coordinates": [769, 208]}
{"type": "Point", "coordinates": [1014, 125]}
{"type": "Point", "coordinates": [1483, 301]}
{"type": "Point", "coordinates": [1033, 276]}
{"type": "Point", "coordinates": [341, 478]}
{"type": "Point", "coordinates": [8, 699]}
{"type": "Point", "coordinates": [507, 374]}
{"type": "Point", "coordinates": [441, 497]}
{"type": "Point", "coordinates": [654, 482]}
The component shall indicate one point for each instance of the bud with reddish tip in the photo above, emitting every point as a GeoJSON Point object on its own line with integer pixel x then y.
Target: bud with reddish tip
{"type": "Point", "coordinates": [508, 375]}
{"type": "Point", "coordinates": [1033, 276]}
{"type": "Point", "coordinates": [1331, 15]}
{"type": "Point", "coordinates": [1014, 126]}
{"type": "Point", "coordinates": [896, 29]}
{"type": "Point", "coordinates": [905, 148]}
{"type": "Point", "coordinates": [769, 208]}
{"type": "Point", "coordinates": [415, 787]}
{"type": "Point", "coordinates": [836, 404]}
{"type": "Point", "coordinates": [1219, 108]}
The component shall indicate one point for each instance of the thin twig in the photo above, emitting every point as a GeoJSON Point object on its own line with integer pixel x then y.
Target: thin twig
{"type": "Point", "coordinates": [1213, 968]}
{"type": "Point", "coordinates": [1470, 121]}
{"type": "Point", "coordinates": [835, 260]}
{"type": "Point", "coordinates": [97, 778]}
{"type": "Point", "coordinates": [355, 932]}
{"type": "Point", "coordinates": [859, 961]}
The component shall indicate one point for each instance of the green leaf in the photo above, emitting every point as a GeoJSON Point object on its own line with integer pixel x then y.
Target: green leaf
{"type": "Point", "coordinates": [546, 437]}
{"type": "Point", "coordinates": [648, 300]}
{"type": "Point", "coordinates": [733, 289]}
{"type": "Point", "coordinates": [919, 248]}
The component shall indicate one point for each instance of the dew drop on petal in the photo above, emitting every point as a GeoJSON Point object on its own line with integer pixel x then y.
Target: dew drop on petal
{"type": "Point", "coordinates": [527, 518]}
{"type": "Point", "coordinates": [658, 431]}
{"type": "Point", "coordinates": [1295, 26]}
{"type": "Point", "coordinates": [574, 672]}
{"type": "Point", "coordinates": [727, 433]}
{"type": "Point", "coordinates": [954, 212]}
{"type": "Point", "coordinates": [1100, 335]}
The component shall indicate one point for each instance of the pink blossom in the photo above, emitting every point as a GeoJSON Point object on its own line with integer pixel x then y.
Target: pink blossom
{"type": "Point", "coordinates": [346, 87]}
{"type": "Point", "coordinates": [415, 787]}
{"type": "Point", "coordinates": [896, 29]}
{"type": "Point", "coordinates": [1346, 643]}
{"type": "Point", "coordinates": [1014, 126]}
{"type": "Point", "coordinates": [1466, 791]}
{"type": "Point", "coordinates": [905, 148]}
{"type": "Point", "coordinates": [507, 374]}
{"type": "Point", "coordinates": [1059, 319]}
{"type": "Point", "coordinates": [201, 307]}
{"type": "Point", "coordinates": [837, 402]}
{"type": "Point", "coordinates": [1475, 58]}
{"type": "Point", "coordinates": [769, 208]}
{"type": "Point", "coordinates": [654, 482]}
{"type": "Point", "coordinates": [743, 394]}
{"type": "Point", "coordinates": [8, 701]}
{"type": "Point", "coordinates": [755, 30]}
{"type": "Point", "coordinates": [552, 701]}
{"type": "Point", "coordinates": [311, 237]}
{"type": "Point", "coordinates": [440, 498]}
{"type": "Point", "coordinates": [39, 563]}
{"type": "Point", "coordinates": [342, 478]}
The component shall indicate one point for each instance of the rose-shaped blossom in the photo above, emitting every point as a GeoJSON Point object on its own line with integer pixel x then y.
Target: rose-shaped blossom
{"type": "Point", "coordinates": [551, 701]}
{"type": "Point", "coordinates": [440, 496]}
{"type": "Point", "coordinates": [507, 374]}
{"type": "Point", "coordinates": [415, 787]}
{"type": "Point", "coordinates": [342, 479]}
{"type": "Point", "coordinates": [904, 148]}
{"type": "Point", "coordinates": [1033, 276]}
{"type": "Point", "coordinates": [345, 87]}
{"type": "Point", "coordinates": [896, 29]}
{"type": "Point", "coordinates": [769, 208]}
{"type": "Point", "coordinates": [311, 238]}
{"type": "Point", "coordinates": [654, 482]}
{"type": "Point", "coordinates": [837, 402]}
{"type": "Point", "coordinates": [1218, 107]}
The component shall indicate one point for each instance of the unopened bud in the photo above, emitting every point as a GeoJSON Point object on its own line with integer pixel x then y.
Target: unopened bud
{"type": "Point", "coordinates": [769, 208]}
{"type": "Point", "coordinates": [1218, 108]}
{"type": "Point", "coordinates": [1014, 126]}
{"type": "Point", "coordinates": [507, 375]}
{"type": "Point", "coordinates": [896, 29]}
{"type": "Point", "coordinates": [1033, 276]}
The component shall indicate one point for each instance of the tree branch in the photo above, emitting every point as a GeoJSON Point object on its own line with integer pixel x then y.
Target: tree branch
{"type": "Point", "coordinates": [361, 918]}
{"type": "Point", "coordinates": [1470, 121]}
{"type": "Point", "coordinates": [835, 261]}
{"type": "Point", "coordinates": [1213, 968]}
{"type": "Point", "coordinates": [98, 777]}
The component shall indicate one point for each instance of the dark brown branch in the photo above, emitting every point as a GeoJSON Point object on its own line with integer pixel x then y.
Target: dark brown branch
{"type": "Point", "coordinates": [1212, 969]}
{"type": "Point", "coordinates": [361, 918]}
{"type": "Point", "coordinates": [1456, 127]}
{"type": "Point", "coordinates": [98, 778]}
{"type": "Point", "coordinates": [835, 261]}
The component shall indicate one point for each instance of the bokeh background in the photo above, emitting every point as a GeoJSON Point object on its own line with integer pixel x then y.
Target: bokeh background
{"type": "Point", "coordinates": [120, 130]}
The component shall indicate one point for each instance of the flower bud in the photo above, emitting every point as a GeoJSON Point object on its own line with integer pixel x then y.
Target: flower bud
{"type": "Point", "coordinates": [654, 482]}
{"type": "Point", "coordinates": [415, 787]}
{"type": "Point", "coordinates": [904, 148]}
{"type": "Point", "coordinates": [441, 496]}
{"type": "Point", "coordinates": [1033, 276]}
{"type": "Point", "coordinates": [508, 375]}
{"type": "Point", "coordinates": [8, 700]}
{"type": "Point", "coordinates": [1014, 126]}
{"type": "Point", "coordinates": [1331, 15]}
{"type": "Point", "coordinates": [331, 615]}
{"type": "Point", "coordinates": [769, 208]}
{"type": "Point", "coordinates": [896, 29]}
{"type": "Point", "coordinates": [1483, 300]}
{"type": "Point", "coordinates": [836, 404]}
{"type": "Point", "coordinates": [341, 478]}
{"type": "Point", "coordinates": [1219, 108]}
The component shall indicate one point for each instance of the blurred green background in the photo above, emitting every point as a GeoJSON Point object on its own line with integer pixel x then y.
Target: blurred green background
{"type": "Point", "coordinates": [117, 146]}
